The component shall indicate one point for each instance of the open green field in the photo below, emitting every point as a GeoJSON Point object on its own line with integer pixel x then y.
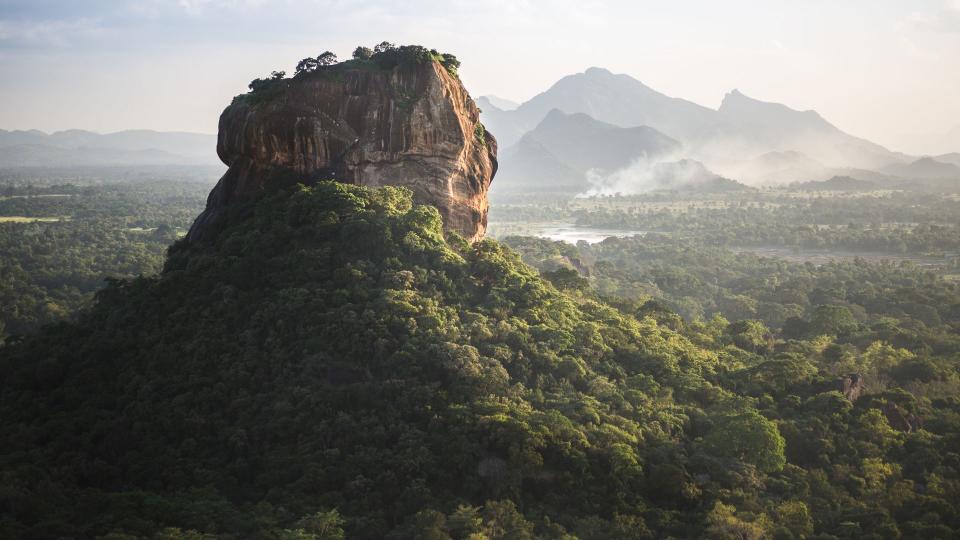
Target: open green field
{"type": "Point", "coordinates": [29, 219]}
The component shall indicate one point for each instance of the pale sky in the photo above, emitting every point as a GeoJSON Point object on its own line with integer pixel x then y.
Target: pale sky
{"type": "Point", "coordinates": [887, 70]}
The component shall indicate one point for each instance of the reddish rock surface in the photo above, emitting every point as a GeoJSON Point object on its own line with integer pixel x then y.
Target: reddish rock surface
{"type": "Point", "coordinates": [852, 386]}
{"type": "Point", "coordinates": [414, 125]}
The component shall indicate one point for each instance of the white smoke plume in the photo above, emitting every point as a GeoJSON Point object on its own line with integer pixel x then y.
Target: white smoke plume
{"type": "Point", "coordinates": [648, 174]}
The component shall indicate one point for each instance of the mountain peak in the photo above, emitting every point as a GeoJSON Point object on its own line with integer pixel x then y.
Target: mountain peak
{"type": "Point", "coordinates": [491, 101]}
{"type": "Point", "coordinates": [557, 119]}
{"type": "Point", "coordinates": [554, 115]}
{"type": "Point", "coordinates": [486, 105]}
{"type": "Point", "coordinates": [736, 97]}
{"type": "Point", "coordinates": [738, 105]}
{"type": "Point", "coordinates": [598, 72]}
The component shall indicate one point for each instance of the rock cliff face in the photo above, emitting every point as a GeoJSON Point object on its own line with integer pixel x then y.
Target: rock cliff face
{"type": "Point", "coordinates": [413, 125]}
{"type": "Point", "coordinates": [851, 386]}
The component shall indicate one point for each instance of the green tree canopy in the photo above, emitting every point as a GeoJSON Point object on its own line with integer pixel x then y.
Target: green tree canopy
{"type": "Point", "coordinates": [748, 437]}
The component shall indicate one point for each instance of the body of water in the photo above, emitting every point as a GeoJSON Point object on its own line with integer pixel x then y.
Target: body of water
{"type": "Point", "coordinates": [571, 233]}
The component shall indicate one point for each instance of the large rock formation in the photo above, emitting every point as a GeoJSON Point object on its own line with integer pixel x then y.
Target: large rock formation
{"type": "Point", "coordinates": [412, 125]}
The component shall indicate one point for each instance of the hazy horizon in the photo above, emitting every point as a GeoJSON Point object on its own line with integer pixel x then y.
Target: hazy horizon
{"type": "Point", "coordinates": [878, 70]}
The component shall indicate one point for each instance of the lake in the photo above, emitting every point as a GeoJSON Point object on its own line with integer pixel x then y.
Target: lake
{"type": "Point", "coordinates": [570, 233]}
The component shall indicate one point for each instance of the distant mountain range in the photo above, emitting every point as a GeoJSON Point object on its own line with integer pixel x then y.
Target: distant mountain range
{"type": "Point", "coordinates": [84, 148]}
{"type": "Point", "coordinates": [616, 99]}
{"type": "Point", "coordinates": [574, 153]}
{"type": "Point", "coordinates": [747, 139]}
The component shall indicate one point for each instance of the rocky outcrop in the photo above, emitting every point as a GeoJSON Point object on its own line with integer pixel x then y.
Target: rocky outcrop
{"type": "Point", "coordinates": [901, 420]}
{"type": "Point", "coordinates": [413, 125]}
{"type": "Point", "coordinates": [851, 386]}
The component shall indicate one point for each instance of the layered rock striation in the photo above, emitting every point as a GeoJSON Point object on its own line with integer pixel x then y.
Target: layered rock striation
{"type": "Point", "coordinates": [412, 125]}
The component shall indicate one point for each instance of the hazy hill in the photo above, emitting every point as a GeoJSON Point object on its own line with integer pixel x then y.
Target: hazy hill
{"type": "Point", "coordinates": [561, 150]}
{"type": "Point", "coordinates": [952, 158]}
{"type": "Point", "coordinates": [751, 123]}
{"type": "Point", "coordinates": [530, 167]}
{"type": "Point", "coordinates": [41, 155]}
{"type": "Point", "coordinates": [585, 143]}
{"type": "Point", "coordinates": [837, 183]}
{"type": "Point", "coordinates": [712, 184]}
{"type": "Point", "coordinates": [133, 147]}
{"type": "Point", "coordinates": [925, 169]}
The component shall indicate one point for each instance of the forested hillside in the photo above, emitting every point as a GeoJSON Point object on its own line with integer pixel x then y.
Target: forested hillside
{"type": "Point", "coordinates": [329, 363]}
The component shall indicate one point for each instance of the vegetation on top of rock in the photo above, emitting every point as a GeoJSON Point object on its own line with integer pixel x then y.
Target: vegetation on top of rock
{"type": "Point", "coordinates": [384, 56]}
{"type": "Point", "coordinates": [362, 53]}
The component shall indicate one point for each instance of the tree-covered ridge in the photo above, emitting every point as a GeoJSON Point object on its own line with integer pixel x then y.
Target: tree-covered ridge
{"type": "Point", "coordinates": [330, 363]}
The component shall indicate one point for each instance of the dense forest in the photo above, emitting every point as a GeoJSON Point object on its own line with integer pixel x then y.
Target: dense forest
{"type": "Point", "coordinates": [889, 221]}
{"type": "Point", "coordinates": [333, 365]}
{"type": "Point", "coordinates": [62, 235]}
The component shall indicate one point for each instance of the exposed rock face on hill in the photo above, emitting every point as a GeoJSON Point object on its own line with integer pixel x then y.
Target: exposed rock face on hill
{"type": "Point", "coordinates": [413, 125]}
{"type": "Point", "coordinates": [900, 419]}
{"type": "Point", "coordinates": [851, 386]}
